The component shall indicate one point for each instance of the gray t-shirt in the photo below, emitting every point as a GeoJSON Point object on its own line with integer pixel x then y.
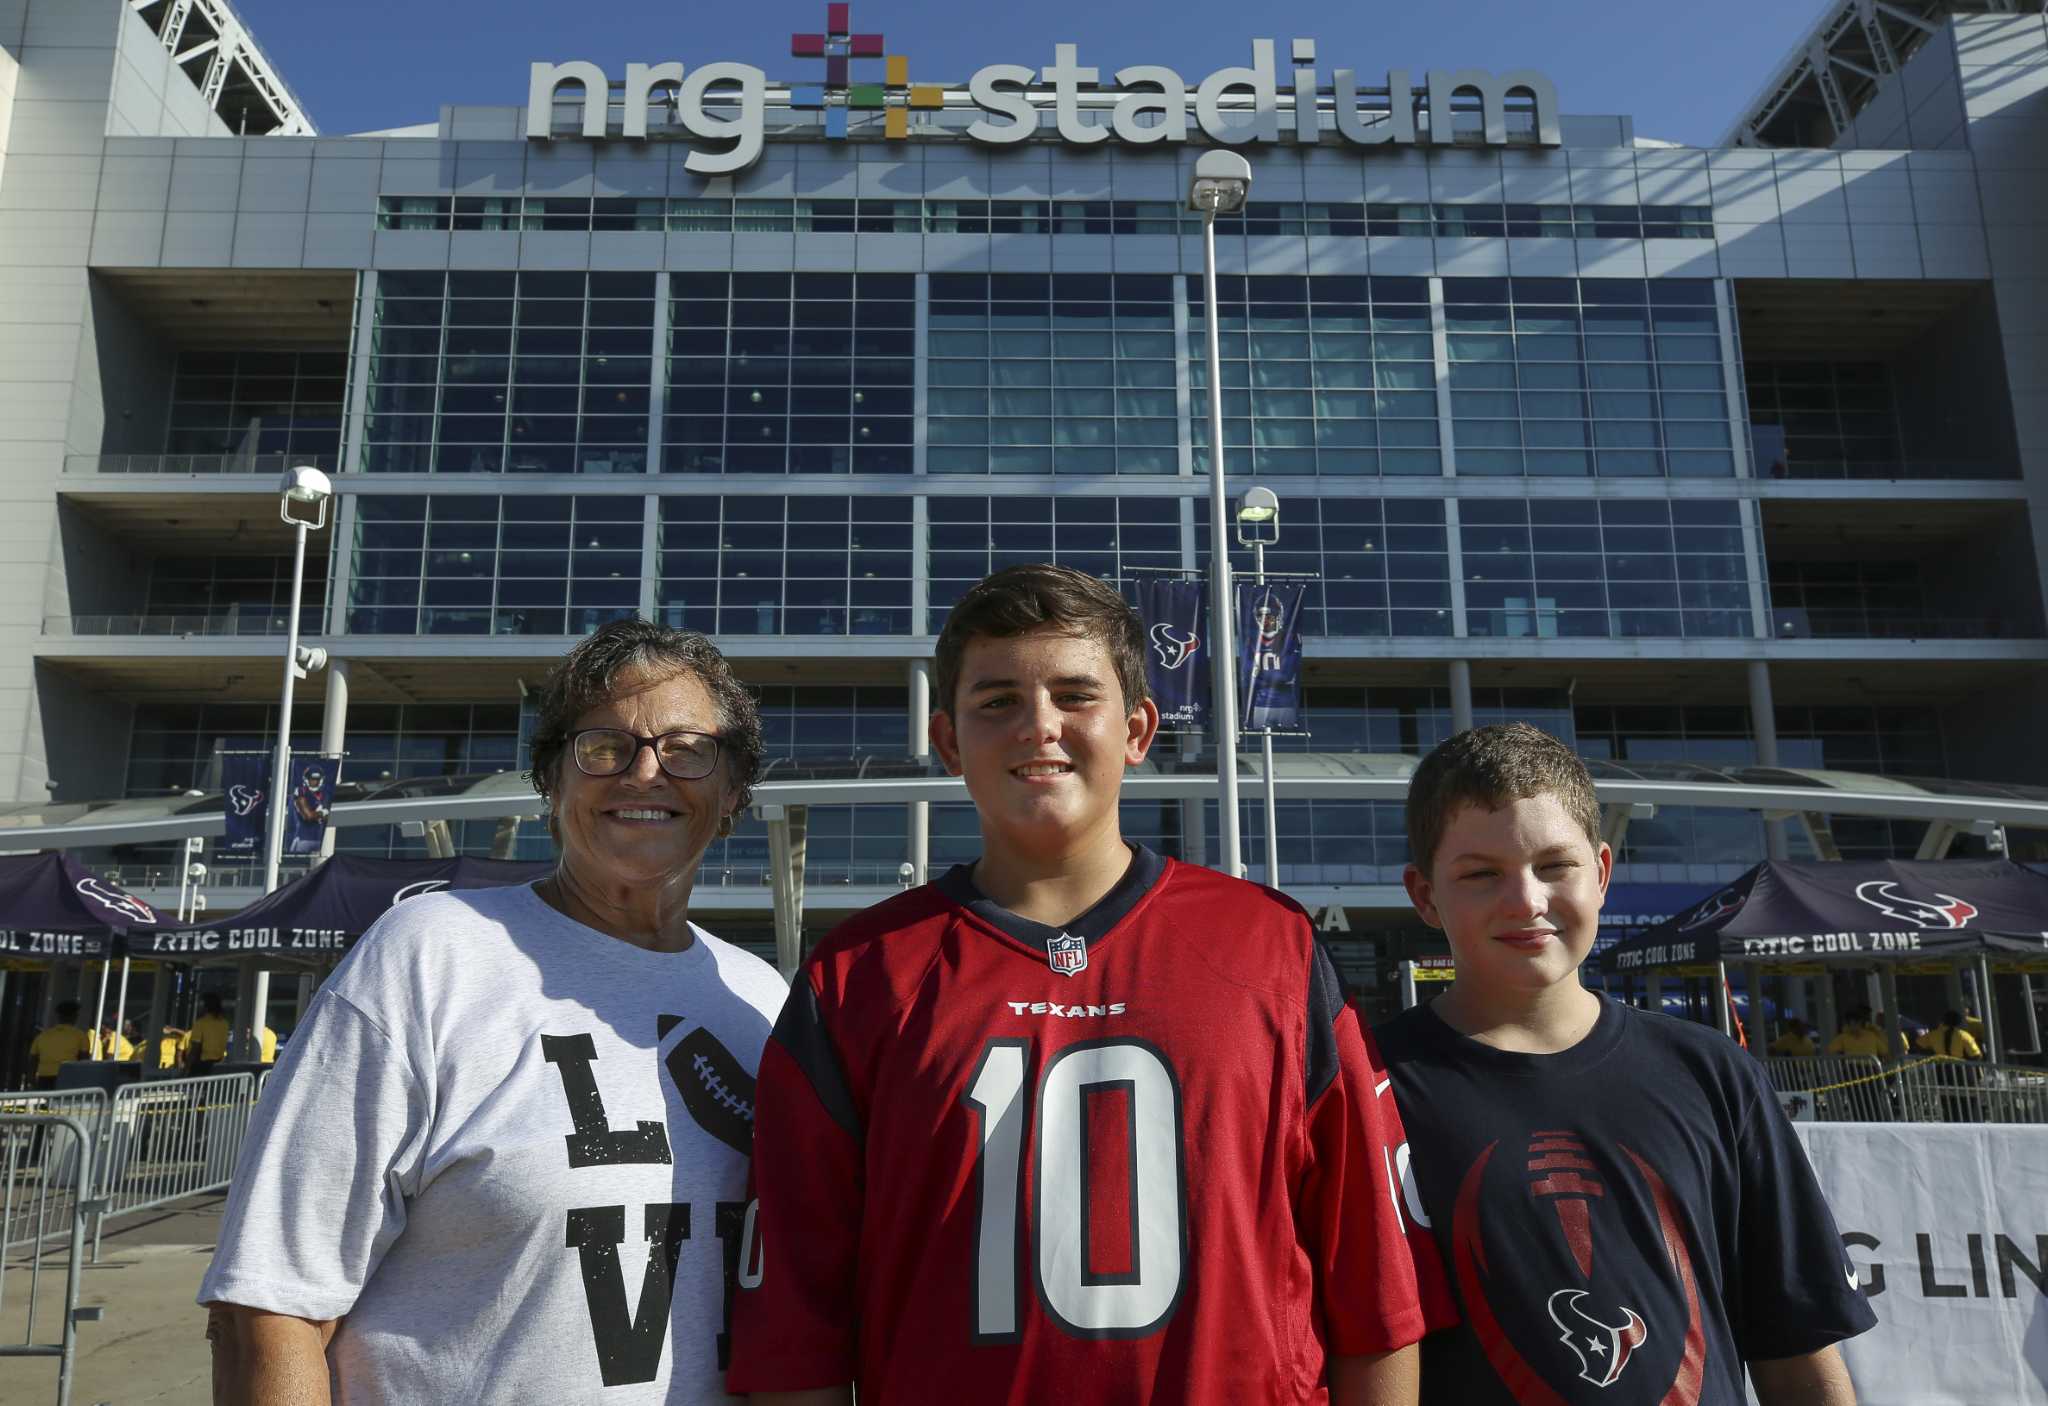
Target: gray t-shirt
{"type": "Point", "coordinates": [510, 1152]}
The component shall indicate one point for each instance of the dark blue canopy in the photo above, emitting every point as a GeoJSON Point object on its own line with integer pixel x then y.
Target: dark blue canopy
{"type": "Point", "coordinates": [1852, 913]}
{"type": "Point", "coordinates": [53, 906]}
{"type": "Point", "coordinates": [321, 915]}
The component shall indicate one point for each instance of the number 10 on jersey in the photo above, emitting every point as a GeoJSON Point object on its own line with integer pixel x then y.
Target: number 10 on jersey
{"type": "Point", "coordinates": [1131, 1302]}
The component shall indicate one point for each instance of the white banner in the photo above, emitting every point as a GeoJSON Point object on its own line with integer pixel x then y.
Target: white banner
{"type": "Point", "coordinates": [1948, 1229]}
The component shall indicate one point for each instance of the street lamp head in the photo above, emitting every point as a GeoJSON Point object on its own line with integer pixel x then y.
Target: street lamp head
{"type": "Point", "coordinates": [195, 871]}
{"type": "Point", "coordinates": [1221, 182]}
{"type": "Point", "coordinates": [303, 497]}
{"type": "Point", "coordinates": [1258, 518]}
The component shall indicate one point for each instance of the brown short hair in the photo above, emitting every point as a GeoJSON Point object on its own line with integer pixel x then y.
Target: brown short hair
{"type": "Point", "coordinates": [1493, 767]}
{"type": "Point", "coordinates": [1020, 599]}
{"type": "Point", "coordinates": [589, 673]}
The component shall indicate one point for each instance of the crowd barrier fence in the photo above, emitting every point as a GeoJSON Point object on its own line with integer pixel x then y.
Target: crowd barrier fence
{"type": "Point", "coordinates": [1928, 1089]}
{"type": "Point", "coordinates": [45, 1196]}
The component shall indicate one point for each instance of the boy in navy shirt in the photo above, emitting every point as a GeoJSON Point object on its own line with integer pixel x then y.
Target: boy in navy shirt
{"type": "Point", "coordinates": [1618, 1201]}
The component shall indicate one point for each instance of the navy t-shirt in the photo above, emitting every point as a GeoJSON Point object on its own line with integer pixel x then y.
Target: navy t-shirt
{"type": "Point", "coordinates": [1632, 1214]}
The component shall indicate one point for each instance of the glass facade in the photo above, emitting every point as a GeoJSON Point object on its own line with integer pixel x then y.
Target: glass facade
{"type": "Point", "coordinates": [812, 565]}
{"type": "Point", "coordinates": [1108, 537]}
{"type": "Point", "coordinates": [1326, 375]}
{"type": "Point", "coordinates": [490, 372]}
{"type": "Point", "coordinates": [268, 402]}
{"type": "Point", "coordinates": [1377, 567]}
{"type": "Point", "coordinates": [1052, 373]}
{"type": "Point", "coordinates": [459, 564]}
{"type": "Point", "coordinates": [803, 373]}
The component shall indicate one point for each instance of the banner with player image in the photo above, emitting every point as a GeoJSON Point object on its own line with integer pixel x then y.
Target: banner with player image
{"type": "Point", "coordinates": [245, 795]}
{"type": "Point", "coordinates": [1176, 654]}
{"type": "Point", "coordinates": [1947, 1228]}
{"type": "Point", "coordinates": [1269, 653]}
{"type": "Point", "coordinates": [312, 797]}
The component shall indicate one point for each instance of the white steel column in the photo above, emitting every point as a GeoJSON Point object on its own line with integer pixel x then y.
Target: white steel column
{"type": "Point", "coordinates": [918, 722]}
{"type": "Point", "coordinates": [1461, 695]}
{"type": "Point", "coordinates": [1763, 721]}
{"type": "Point", "coordinates": [333, 733]}
{"type": "Point", "coordinates": [1223, 656]}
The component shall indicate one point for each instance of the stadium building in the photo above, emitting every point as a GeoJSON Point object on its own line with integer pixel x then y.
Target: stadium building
{"type": "Point", "coordinates": [1729, 464]}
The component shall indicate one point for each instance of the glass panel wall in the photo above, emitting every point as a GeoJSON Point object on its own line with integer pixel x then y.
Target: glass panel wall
{"type": "Point", "coordinates": [449, 564]}
{"type": "Point", "coordinates": [1571, 567]}
{"type": "Point", "coordinates": [1114, 538]}
{"type": "Point", "coordinates": [496, 372]}
{"type": "Point", "coordinates": [1321, 375]}
{"type": "Point", "coordinates": [1381, 567]}
{"type": "Point", "coordinates": [1561, 376]}
{"type": "Point", "coordinates": [791, 373]}
{"type": "Point", "coordinates": [257, 402]}
{"type": "Point", "coordinates": [752, 565]}
{"type": "Point", "coordinates": [1052, 373]}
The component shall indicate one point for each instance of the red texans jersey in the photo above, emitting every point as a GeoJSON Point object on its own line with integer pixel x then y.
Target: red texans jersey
{"type": "Point", "coordinates": [1145, 1156]}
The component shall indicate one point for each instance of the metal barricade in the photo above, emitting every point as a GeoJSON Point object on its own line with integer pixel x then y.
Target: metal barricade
{"type": "Point", "coordinates": [1971, 1091]}
{"type": "Point", "coordinates": [170, 1139]}
{"type": "Point", "coordinates": [46, 1192]}
{"type": "Point", "coordinates": [1842, 1088]}
{"type": "Point", "coordinates": [87, 1109]}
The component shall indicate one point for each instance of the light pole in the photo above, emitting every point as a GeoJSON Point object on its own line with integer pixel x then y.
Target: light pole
{"type": "Point", "coordinates": [1221, 181]}
{"type": "Point", "coordinates": [302, 504]}
{"type": "Point", "coordinates": [1258, 525]}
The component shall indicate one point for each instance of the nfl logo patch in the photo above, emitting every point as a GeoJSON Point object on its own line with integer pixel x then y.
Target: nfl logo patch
{"type": "Point", "coordinates": [1066, 954]}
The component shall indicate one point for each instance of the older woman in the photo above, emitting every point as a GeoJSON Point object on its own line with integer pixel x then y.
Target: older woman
{"type": "Point", "coordinates": [504, 1158]}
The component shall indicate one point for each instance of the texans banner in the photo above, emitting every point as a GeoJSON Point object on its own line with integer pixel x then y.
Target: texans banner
{"type": "Point", "coordinates": [1269, 653]}
{"type": "Point", "coordinates": [1176, 655]}
{"type": "Point", "coordinates": [312, 797]}
{"type": "Point", "coordinates": [245, 795]}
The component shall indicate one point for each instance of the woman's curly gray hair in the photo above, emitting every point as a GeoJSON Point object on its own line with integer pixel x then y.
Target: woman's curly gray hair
{"type": "Point", "coordinates": [588, 676]}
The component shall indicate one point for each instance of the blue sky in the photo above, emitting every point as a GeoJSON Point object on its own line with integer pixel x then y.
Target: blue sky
{"type": "Point", "coordinates": [1682, 70]}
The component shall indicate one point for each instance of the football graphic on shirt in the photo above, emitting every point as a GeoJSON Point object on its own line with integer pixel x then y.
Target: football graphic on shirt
{"type": "Point", "coordinates": [1599, 1337]}
{"type": "Point", "coordinates": [715, 1087]}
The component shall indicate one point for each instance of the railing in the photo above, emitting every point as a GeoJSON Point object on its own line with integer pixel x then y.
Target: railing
{"type": "Point", "coordinates": [170, 1139]}
{"type": "Point", "coordinates": [227, 623]}
{"type": "Point", "coordinates": [275, 464]}
{"type": "Point", "coordinates": [1837, 1088]}
{"type": "Point", "coordinates": [1797, 622]}
{"type": "Point", "coordinates": [46, 1176]}
{"type": "Point", "coordinates": [1862, 1089]}
{"type": "Point", "coordinates": [154, 1142]}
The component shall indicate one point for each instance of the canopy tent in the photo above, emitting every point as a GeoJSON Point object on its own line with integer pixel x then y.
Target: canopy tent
{"type": "Point", "coordinates": [53, 906]}
{"type": "Point", "coordinates": [1877, 914]}
{"type": "Point", "coordinates": [321, 915]}
{"type": "Point", "coordinates": [1852, 913]}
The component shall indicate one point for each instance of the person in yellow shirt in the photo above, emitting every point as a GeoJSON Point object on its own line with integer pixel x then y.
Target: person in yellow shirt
{"type": "Point", "coordinates": [206, 1044]}
{"type": "Point", "coordinates": [1952, 1039]}
{"type": "Point", "coordinates": [1797, 1041]}
{"type": "Point", "coordinates": [113, 1044]}
{"type": "Point", "coordinates": [1860, 1035]}
{"type": "Point", "coordinates": [269, 1046]}
{"type": "Point", "coordinates": [170, 1049]}
{"type": "Point", "coordinates": [61, 1042]}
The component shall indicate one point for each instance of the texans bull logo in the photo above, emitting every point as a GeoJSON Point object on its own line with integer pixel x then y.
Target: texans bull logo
{"type": "Point", "coordinates": [1883, 895]}
{"type": "Point", "coordinates": [716, 1089]}
{"type": "Point", "coordinates": [114, 901]}
{"type": "Point", "coordinates": [1721, 904]}
{"type": "Point", "coordinates": [244, 799]}
{"type": "Point", "coordinates": [1174, 647]}
{"type": "Point", "coordinates": [1607, 1347]}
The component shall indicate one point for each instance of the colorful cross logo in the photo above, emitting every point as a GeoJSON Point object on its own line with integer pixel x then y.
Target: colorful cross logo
{"type": "Point", "coordinates": [895, 95]}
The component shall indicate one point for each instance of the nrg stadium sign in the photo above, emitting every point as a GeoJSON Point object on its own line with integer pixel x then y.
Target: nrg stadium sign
{"type": "Point", "coordinates": [725, 104]}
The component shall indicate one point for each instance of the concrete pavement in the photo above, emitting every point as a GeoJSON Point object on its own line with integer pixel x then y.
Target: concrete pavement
{"type": "Point", "coordinates": [151, 1344]}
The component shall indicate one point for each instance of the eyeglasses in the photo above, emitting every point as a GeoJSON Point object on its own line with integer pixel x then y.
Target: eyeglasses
{"type": "Point", "coordinates": [608, 751]}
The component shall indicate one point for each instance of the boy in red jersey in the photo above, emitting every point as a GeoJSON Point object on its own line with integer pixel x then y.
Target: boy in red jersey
{"type": "Point", "coordinates": [1616, 1195]}
{"type": "Point", "coordinates": [1075, 1122]}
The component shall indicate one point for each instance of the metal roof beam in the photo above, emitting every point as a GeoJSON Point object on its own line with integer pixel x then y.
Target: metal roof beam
{"type": "Point", "coordinates": [1786, 800]}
